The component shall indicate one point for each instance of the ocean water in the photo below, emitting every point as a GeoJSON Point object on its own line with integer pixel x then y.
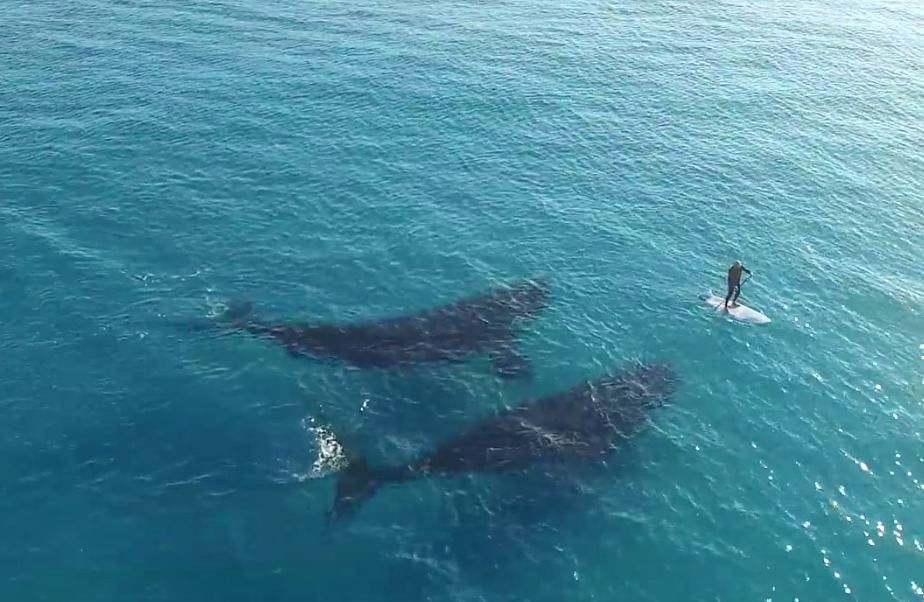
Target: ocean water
{"type": "Point", "coordinates": [341, 161]}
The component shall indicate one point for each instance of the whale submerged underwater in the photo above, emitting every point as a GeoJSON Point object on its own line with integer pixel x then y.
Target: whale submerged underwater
{"type": "Point", "coordinates": [584, 423]}
{"type": "Point", "coordinates": [486, 323]}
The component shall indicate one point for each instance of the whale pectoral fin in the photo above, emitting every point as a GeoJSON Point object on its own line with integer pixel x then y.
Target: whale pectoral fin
{"type": "Point", "coordinates": [509, 363]}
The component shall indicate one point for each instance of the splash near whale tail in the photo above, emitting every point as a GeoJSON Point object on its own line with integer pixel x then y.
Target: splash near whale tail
{"type": "Point", "coordinates": [219, 319]}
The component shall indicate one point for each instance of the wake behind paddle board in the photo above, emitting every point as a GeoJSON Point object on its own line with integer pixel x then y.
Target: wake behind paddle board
{"type": "Point", "coordinates": [740, 312]}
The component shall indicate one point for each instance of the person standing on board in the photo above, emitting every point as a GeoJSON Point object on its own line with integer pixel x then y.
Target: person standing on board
{"type": "Point", "coordinates": [734, 283]}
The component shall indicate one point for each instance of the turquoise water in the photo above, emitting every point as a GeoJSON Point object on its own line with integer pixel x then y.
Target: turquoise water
{"type": "Point", "coordinates": [339, 162]}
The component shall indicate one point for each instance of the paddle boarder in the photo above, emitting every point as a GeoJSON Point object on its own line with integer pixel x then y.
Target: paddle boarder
{"type": "Point", "coordinates": [734, 283]}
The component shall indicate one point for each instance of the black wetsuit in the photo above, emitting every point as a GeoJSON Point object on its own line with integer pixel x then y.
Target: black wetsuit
{"type": "Point", "coordinates": [734, 284]}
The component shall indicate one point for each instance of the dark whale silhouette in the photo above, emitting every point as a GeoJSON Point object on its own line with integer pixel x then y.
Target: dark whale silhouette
{"type": "Point", "coordinates": [484, 323]}
{"type": "Point", "coordinates": [584, 422]}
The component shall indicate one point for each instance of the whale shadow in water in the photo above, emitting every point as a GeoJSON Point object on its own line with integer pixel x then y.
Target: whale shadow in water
{"type": "Point", "coordinates": [486, 323]}
{"type": "Point", "coordinates": [583, 423]}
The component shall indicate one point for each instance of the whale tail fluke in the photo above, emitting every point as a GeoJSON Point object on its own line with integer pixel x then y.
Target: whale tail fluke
{"type": "Point", "coordinates": [355, 485]}
{"type": "Point", "coordinates": [236, 314]}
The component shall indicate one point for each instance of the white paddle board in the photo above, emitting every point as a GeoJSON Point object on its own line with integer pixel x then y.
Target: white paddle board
{"type": "Point", "coordinates": [739, 312]}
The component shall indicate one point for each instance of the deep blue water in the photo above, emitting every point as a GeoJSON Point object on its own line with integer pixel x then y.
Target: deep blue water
{"type": "Point", "coordinates": [334, 162]}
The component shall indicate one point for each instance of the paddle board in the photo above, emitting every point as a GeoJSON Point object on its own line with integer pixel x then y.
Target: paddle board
{"type": "Point", "coordinates": [739, 312]}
